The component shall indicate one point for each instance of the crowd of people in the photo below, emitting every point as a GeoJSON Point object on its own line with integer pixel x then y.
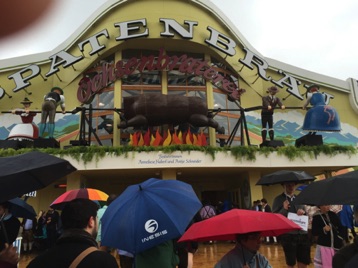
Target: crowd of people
{"type": "Point", "coordinates": [327, 227]}
{"type": "Point", "coordinates": [56, 238]}
{"type": "Point", "coordinates": [331, 228]}
{"type": "Point", "coordinates": [76, 232]}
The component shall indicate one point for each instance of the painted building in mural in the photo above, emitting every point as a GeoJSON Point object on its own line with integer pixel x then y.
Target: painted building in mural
{"type": "Point", "coordinates": [176, 49]}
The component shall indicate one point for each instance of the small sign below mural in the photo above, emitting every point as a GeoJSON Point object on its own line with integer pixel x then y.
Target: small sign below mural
{"type": "Point", "coordinates": [171, 160]}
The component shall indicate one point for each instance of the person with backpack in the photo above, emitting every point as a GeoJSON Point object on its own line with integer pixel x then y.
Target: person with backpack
{"type": "Point", "coordinates": [207, 211]}
{"type": "Point", "coordinates": [77, 246]}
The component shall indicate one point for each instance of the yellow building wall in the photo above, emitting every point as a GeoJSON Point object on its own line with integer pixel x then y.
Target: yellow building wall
{"type": "Point", "coordinates": [152, 11]}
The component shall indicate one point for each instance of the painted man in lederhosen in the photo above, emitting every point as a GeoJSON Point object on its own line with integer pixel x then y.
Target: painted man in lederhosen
{"type": "Point", "coordinates": [269, 103]}
{"type": "Point", "coordinates": [51, 101]}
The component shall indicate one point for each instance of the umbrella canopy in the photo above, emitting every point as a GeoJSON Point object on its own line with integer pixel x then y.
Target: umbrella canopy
{"type": "Point", "coordinates": [227, 225]}
{"type": "Point", "coordinates": [28, 172]}
{"type": "Point", "coordinates": [338, 190]}
{"type": "Point", "coordinates": [148, 214]}
{"type": "Point", "coordinates": [88, 193]}
{"type": "Point", "coordinates": [20, 209]}
{"type": "Point", "coordinates": [282, 176]}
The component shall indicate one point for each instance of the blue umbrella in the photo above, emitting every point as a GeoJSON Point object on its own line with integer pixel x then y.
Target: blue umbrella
{"type": "Point", "coordinates": [19, 208]}
{"type": "Point", "coordinates": [300, 188]}
{"type": "Point", "coordinates": [148, 214]}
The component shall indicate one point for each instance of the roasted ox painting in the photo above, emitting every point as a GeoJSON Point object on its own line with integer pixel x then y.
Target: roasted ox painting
{"type": "Point", "coordinates": [157, 109]}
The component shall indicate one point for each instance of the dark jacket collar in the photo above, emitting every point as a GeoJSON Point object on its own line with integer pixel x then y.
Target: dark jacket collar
{"type": "Point", "coordinates": [73, 235]}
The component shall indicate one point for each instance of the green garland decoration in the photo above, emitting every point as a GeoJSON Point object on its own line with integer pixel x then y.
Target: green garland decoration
{"type": "Point", "coordinates": [87, 154]}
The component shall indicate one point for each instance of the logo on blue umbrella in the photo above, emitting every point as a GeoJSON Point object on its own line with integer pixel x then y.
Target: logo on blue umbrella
{"type": "Point", "coordinates": [151, 226]}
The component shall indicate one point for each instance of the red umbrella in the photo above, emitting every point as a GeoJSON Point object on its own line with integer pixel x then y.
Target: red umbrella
{"type": "Point", "coordinates": [225, 226]}
{"type": "Point", "coordinates": [88, 193]}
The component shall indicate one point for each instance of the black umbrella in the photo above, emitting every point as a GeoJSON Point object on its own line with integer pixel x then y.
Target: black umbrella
{"type": "Point", "coordinates": [337, 190]}
{"type": "Point", "coordinates": [20, 209]}
{"type": "Point", "coordinates": [285, 176]}
{"type": "Point", "coordinates": [28, 172]}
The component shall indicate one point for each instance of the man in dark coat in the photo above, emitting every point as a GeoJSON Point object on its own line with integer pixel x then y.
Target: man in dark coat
{"type": "Point", "coordinates": [295, 244]}
{"type": "Point", "coordinates": [80, 225]}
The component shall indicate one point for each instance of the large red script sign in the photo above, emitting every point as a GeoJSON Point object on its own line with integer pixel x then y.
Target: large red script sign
{"type": "Point", "coordinates": [89, 87]}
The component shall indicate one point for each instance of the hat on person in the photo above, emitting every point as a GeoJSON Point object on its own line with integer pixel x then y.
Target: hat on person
{"type": "Point", "coordinates": [57, 88]}
{"type": "Point", "coordinates": [272, 89]}
{"type": "Point", "coordinates": [312, 86]}
{"type": "Point", "coordinates": [26, 101]}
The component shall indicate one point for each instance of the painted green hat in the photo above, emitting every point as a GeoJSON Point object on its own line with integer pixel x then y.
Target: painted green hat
{"type": "Point", "coordinates": [57, 88]}
{"type": "Point", "coordinates": [26, 101]}
{"type": "Point", "coordinates": [312, 86]}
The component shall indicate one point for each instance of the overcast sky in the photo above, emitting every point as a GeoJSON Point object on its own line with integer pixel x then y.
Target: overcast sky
{"type": "Point", "coordinates": [319, 36]}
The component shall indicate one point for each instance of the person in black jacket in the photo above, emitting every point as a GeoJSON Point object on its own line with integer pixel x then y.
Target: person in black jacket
{"type": "Point", "coordinates": [295, 244]}
{"type": "Point", "coordinates": [51, 221]}
{"type": "Point", "coordinates": [80, 226]}
{"type": "Point", "coordinates": [326, 229]}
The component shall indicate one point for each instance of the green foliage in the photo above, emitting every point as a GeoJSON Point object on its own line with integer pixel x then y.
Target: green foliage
{"type": "Point", "coordinates": [87, 154]}
{"type": "Point", "coordinates": [244, 152]}
{"type": "Point", "coordinates": [292, 152]}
